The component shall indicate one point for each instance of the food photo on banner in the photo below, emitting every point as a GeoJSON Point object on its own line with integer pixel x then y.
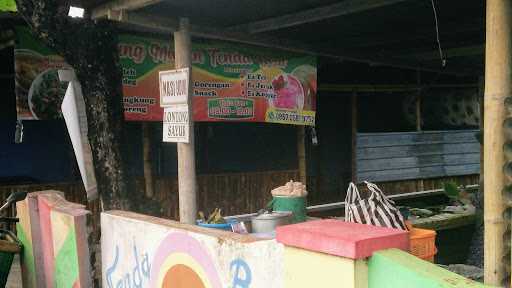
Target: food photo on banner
{"type": "Point", "coordinates": [230, 82]}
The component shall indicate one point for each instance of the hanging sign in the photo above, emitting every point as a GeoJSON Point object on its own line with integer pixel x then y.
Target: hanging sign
{"type": "Point", "coordinates": [173, 87]}
{"type": "Point", "coordinates": [176, 123]}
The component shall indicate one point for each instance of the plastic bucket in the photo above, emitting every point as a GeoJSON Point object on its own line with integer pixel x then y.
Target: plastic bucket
{"type": "Point", "coordinates": [297, 205]}
{"type": "Point", "coordinates": [225, 226]}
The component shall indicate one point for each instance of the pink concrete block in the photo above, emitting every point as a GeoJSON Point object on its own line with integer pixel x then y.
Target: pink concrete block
{"type": "Point", "coordinates": [345, 239]}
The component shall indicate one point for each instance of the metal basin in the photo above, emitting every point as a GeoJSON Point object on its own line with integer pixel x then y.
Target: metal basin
{"type": "Point", "coordinates": [268, 222]}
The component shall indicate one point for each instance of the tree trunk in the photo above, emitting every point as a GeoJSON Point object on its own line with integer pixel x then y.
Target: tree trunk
{"type": "Point", "coordinates": [91, 49]}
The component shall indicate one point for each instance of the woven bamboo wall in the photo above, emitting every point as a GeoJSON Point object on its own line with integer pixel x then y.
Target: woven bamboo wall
{"type": "Point", "coordinates": [235, 193]}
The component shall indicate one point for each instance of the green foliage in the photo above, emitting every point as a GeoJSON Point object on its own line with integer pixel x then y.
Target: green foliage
{"type": "Point", "coordinates": [8, 5]}
{"type": "Point", "coordinates": [451, 190]}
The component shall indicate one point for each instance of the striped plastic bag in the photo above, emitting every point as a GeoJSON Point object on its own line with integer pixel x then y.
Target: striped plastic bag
{"type": "Point", "coordinates": [376, 210]}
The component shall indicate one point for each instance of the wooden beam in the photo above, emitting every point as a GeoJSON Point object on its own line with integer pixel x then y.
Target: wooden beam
{"type": "Point", "coordinates": [169, 25]}
{"type": "Point", "coordinates": [387, 88]}
{"type": "Point", "coordinates": [473, 50]}
{"type": "Point", "coordinates": [163, 25]}
{"type": "Point", "coordinates": [313, 15]}
{"type": "Point", "coordinates": [422, 33]}
{"type": "Point", "coordinates": [120, 5]}
{"type": "Point", "coordinates": [146, 155]}
{"type": "Point", "coordinates": [328, 52]}
{"type": "Point", "coordinates": [413, 54]}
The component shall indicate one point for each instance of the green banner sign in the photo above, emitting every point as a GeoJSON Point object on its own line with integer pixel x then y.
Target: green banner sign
{"type": "Point", "coordinates": [230, 82]}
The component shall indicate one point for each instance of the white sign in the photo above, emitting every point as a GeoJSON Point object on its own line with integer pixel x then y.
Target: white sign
{"type": "Point", "coordinates": [176, 123]}
{"type": "Point", "coordinates": [174, 87]}
{"type": "Point", "coordinates": [73, 110]}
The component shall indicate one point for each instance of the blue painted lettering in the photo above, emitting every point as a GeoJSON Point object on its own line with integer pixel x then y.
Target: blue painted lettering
{"type": "Point", "coordinates": [133, 278]}
{"type": "Point", "coordinates": [241, 273]}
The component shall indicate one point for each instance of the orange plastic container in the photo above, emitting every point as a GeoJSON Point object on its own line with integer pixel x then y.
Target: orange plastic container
{"type": "Point", "coordinates": [423, 243]}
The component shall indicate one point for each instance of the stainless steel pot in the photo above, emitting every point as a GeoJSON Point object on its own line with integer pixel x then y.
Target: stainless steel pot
{"type": "Point", "coordinates": [267, 222]}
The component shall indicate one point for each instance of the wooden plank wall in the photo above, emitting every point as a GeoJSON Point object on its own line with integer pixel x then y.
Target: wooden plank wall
{"type": "Point", "coordinates": [416, 155]}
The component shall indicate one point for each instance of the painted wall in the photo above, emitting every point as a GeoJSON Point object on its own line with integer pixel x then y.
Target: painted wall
{"type": "Point", "coordinates": [54, 236]}
{"type": "Point", "coordinates": [305, 268]}
{"type": "Point", "coordinates": [143, 251]}
{"type": "Point", "coordinates": [396, 269]}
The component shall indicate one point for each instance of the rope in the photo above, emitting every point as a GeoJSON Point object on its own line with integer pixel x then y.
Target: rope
{"type": "Point", "coordinates": [441, 55]}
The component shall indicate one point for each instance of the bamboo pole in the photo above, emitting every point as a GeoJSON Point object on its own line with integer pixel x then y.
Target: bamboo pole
{"type": "Point", "coordinates": [146, 147]}
{"type": "Point", "coordinates": [187, 182]}
{"type": "Point", "coordinates": [418, 112]}
{"type": "Point", "coordinates": [497, 88]}
{"type": "Point", "coordinates": [301, 153]}
{"type": "Point", "coordinates": [386, 87]}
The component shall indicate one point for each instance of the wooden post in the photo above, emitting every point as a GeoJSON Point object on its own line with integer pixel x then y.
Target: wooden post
{"type": "Point", "coordinates": [187, 184]}
{"type": "Point", "coordinates": [146, 150]}
{"type": "Point", "coordinates": [421, 183]}
{"type": "Point", "coordinates": [354, 136]}
{"type": "Point", "coordinates": [301, 153]}
{"type": "Point", "coordinates": [497, 88]}
{"type": "Point", "coordinates": [418, 111]}
{"type": "Point", "coordinates": [418, 102]}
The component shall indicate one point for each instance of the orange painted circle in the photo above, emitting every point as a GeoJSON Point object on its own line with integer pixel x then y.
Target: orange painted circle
{"type": "Point", "coordinates": [182, 276]}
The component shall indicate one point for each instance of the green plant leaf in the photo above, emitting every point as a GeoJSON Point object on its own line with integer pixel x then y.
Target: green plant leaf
{"type": "Point", "coordinates": [451, 190]}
